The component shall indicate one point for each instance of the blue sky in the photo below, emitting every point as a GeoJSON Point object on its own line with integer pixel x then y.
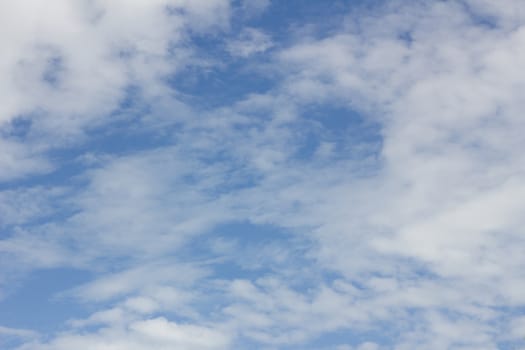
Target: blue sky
{"type": "Point", "coordinates": [219, 174]}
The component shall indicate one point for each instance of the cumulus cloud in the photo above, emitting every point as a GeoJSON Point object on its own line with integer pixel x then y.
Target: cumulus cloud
{"type": "Point", "coordinates": [68, 65]}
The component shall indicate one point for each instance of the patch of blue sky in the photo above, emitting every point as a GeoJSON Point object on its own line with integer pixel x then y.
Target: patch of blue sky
{"type": "Point", "coordinates": [283, 17]}
{"type": "Point", "coordinates": [223, 85]}
{"type": "Point", "coordinates": [235, 78]}
{"type": "Point", "coordinates": [122, 138]}
{"type": "Point", "coordinates": [38, 302]}
{"type": "Point", "coordinates": [478, 18]}
{"type": "Point", "coordinates": [241, 248]}
{"type": "Point", "coordinates": [244, 251]}
{"type": "Point", "coordinates": [53, 71]}
{"type": "Point", "coordinates": [18, 128]}
{"type": "Point", "coordinates": [10, 342]}
{"type": "Point", "coordinates": [380, 333]}
{"type": "Point", "coordinates": [510, 345]}
{"type": "Point", "coordinates": [349, 132]}
{"type": "Point", "coordinates": [406, 37]}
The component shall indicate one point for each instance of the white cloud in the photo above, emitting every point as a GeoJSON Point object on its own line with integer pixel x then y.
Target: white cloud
{"type": "Point", "coordinates": [425, 236]}
{"type": "Point", "coordinates": [20, 206]}
{"type": "Point", "coordinates": [17, 161]}
{"type": "Point", "coordinates": [146, 278]}
{"type": "Point", "coordinates": [447, 195]}
{"type": "Point", "coordinates": [250, 41]}
{"type": "Point", "coordinates": [253, 8]}
{"type": "Point", "coordinates": [16, 332]}
{"type": "Point", "coordinates": [158, 333]}
{"type": "Point", "coordinates": [67, 65]}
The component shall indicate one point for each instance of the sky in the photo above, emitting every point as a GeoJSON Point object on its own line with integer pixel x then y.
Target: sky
{"type": "Point", "coordinates": [262, 174]}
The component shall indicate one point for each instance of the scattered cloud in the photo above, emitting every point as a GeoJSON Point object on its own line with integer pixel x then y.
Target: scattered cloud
{"type": "Point", "coordinates": [20, 333]}
{"type": "Point", "coordinates": [250, 41]}
{"type": "Point", "coordinates": [356, 188]}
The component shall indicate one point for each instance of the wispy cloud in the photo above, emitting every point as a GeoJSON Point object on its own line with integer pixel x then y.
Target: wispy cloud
{"type": "Point", "coordinates": [251, 41]}
{"type": "Point", "coordinates": [358, 187]}
{"type": "Point", "coordinates": [21, 333]}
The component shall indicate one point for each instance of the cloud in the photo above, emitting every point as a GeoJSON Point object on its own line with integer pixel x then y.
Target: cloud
{"type": "Point", "coordinates": [382, 158]}
{"type": "Point", "coordinates": [19, 161]}
{"type": "Point", "coordinates": [69, 65]}
{"type": "Point", "coordinates": [255, 7]}
{"type": "Point", "coordinates": [251, 41]}
{"type": "Point", "coordinates": [137, 279]}
{"type": "Point", "coordinates": [156, 332]}
{"type": "Point", "coordinates": [14, 332]}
